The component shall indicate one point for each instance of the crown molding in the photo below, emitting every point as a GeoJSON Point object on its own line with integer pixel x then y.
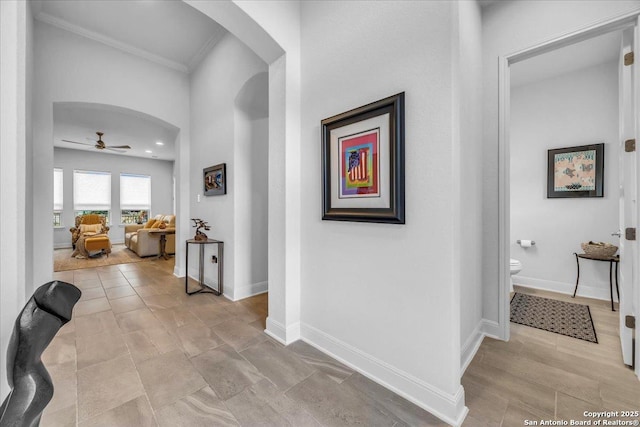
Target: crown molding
{"type": "Point", "coordinates": [67, 26]}
{"type": "Point", "coordinates": [206, 48]}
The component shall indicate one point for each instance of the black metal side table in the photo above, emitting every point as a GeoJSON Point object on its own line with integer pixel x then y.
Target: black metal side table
{"type": "Point", "coordinates": [204, 288]}
{"type": "Point", "coordinates": [611, 260]}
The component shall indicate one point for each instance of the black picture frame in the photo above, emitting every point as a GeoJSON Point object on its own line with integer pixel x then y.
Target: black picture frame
{"type": "Point", "coordinates": [366, 144]}
{"type": "Point", "coordinates": [581, 175]}
{"type": "Point", "coordinates": [215, 180]}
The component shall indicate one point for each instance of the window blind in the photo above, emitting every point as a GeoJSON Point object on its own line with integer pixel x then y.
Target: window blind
{"type": "Point", "coordinates": [58, 201]}
{"type": "Point", "coordinates": [91, 190]}
{"type": "Point", "coordinates": [135, 192]}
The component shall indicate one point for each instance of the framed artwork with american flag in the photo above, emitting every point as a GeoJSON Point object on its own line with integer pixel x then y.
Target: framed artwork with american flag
{"type": "Point", "coordinates": [363, 163]}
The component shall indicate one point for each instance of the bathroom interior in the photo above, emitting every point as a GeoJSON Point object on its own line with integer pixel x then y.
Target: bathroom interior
{"type": "Point", "coordinates": [564, 98]}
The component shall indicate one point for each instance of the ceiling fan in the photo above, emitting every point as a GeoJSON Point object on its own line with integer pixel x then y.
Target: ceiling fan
{"type": "Point", "coordinates": [100, 145]}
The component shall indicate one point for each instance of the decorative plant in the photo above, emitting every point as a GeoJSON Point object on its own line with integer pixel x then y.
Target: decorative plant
{"type": "Point", "coordinates": [200, 224]}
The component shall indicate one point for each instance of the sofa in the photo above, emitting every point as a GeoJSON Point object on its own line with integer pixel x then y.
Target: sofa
{"type": "Point", "coordinates": [137, 237]}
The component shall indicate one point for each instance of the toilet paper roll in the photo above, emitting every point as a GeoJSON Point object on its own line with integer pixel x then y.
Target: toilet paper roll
{"type": "Point", "coordinates": [526, 243]}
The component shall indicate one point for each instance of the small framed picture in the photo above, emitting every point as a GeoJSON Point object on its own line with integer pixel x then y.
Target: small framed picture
{"type": "Point", "coordinates": [363, 163]}
{"type": "Point", "coordinates": [215, 180]}
{"type": "Point", "coordinates": [576, 171]}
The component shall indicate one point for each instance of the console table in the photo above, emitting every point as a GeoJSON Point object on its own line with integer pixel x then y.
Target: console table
{"type": "Point", "coordinates": [611, 260]}
{"type": "Point", "coordinates": [204, 288]}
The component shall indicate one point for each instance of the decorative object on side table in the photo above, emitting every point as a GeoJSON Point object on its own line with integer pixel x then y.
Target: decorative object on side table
{"type": "Point", "coordinates": [575, 171]}
{"type": "Point", "coordinates": [599, 248]}
{"type": "Point", "coordinates": [363, 163]}
{"type": "Point", "coordinates": [215, 180]}
{"type": "Point", "coordinates": [200, 224]}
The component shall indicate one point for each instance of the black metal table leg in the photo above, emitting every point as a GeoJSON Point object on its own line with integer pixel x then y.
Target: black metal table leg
{"type": "Point", "coordinates": [204, 288]}
{"type": "Point", "coordinates": [611, 283]}
{"type": "Point", "coordinates": [606, 258]}
{"type": "Point", "coordinates": [577, 278]}
{"type": "Point", "coordinates": [617, 289]}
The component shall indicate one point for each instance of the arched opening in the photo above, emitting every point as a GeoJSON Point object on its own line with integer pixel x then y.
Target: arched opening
{"type": "Point", "coordinates": [150, 159]}
{"type": "Point", "coordinates": [279, 46]}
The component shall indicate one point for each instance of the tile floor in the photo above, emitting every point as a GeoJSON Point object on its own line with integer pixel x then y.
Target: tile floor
{"type": "Point", "coordinates": [139, 352]}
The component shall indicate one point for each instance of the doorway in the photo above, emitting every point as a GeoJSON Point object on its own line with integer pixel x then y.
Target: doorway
{"type": "Point", "coordinates": [508, 135]}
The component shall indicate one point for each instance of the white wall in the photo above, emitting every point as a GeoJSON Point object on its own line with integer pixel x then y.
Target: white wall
{"type": "Point", "coordinates": [507, 28]}
{"type": "Point", "coordinates": [251, 127]}
{"type": "Point", "coordinates": [161, 172]}
{"type": "Point", "coordinates": [29, 181]}
{"type": "Point", "coordinates": [577, 108]}
{"type": "Point", "coordinates": [217, 138]}
{"type": "Point", "coordinates": [385, 298]}
{"type": "Point", "coordinates": [70, 68]}
{"type": "Point", "coordinates": [16, 66]}
{"type": "Point", "coordinates": [470, 154]}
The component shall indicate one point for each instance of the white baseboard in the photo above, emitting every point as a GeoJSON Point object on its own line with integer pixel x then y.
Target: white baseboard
{"type": "Point", "coordinates": [470, 347]}
{"type": "Point", "coordinates": [448, 407]}
{"type": "Point", "coordinates": [178, 272]}
{"type": "Point", "coordinates": [252, 289]}
{"type": "Point", "coordinates": [491, 329]}
{"type": "Point", "coordinates": [565, 288]}
{"type": "Point", "coordinates": [484, 328]}
{"type": "Point", "coordinates": [277, 331]}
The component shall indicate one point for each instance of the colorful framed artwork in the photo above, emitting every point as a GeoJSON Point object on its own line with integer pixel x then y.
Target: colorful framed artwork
{"type": "Point", "coordinates": [576, 171]}
{"type": "Point", "coordinates": [215, 180]}
{"type": "Point", "coordinates": [363, 163]}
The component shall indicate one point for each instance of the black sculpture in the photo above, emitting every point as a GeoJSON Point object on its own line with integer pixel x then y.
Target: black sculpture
{"type": "Point", "coordinates": [45, 313]}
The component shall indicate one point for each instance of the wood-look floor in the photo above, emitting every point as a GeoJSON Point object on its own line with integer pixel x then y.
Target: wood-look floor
{"type": "Point", "coordinates": [540, 375]}
{"type": "Point", "coordinates": [139, 352]}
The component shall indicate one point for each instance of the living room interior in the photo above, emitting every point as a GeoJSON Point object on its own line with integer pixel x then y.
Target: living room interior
{"type": "Point", "coordinates": [125, 186]}
{"type": "Point", "coordinates": [379, 320]}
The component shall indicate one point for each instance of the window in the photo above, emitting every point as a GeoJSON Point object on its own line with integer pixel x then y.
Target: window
{"type": "Point", "coordinates": [58, 200]}
{"type": "Point", "coordinates": [135, 198]}
{"type": "Point", "coordinates": [92, 193]}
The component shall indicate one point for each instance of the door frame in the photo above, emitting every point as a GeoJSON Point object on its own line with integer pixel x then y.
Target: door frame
{"type": "Point", "coordinates": [620, 22]}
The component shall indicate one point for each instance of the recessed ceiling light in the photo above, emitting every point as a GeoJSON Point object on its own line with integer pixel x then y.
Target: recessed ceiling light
{"type": "Point", "coordinates": [148, 151]}
{"type": "Point", "coordinates": [159, 143]}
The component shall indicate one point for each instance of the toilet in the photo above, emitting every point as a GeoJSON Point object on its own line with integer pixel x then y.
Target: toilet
{"type": "Point", "coordinates": [515, 267]}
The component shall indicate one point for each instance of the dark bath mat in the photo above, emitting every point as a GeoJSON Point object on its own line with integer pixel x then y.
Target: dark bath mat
{"type": "Point", "coordinates": [564, 318]}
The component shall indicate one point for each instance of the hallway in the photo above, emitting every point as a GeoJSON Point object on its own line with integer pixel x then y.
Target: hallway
{"type": "Point", "coordinates": [140, 352]}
